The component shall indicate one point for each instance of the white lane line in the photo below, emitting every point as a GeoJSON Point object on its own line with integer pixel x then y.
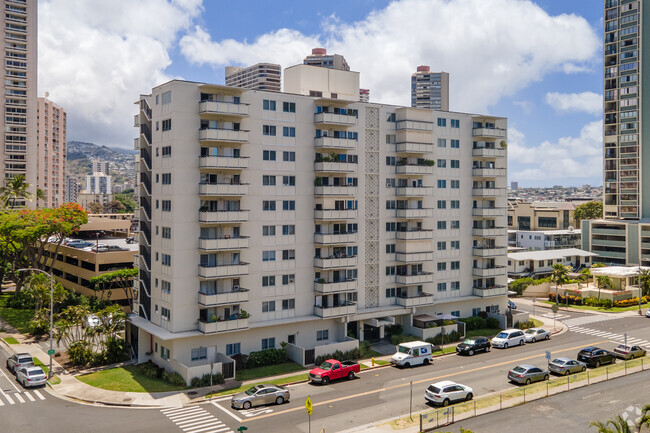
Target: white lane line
{"type": "Point", "coordinates": [172, 409]}
{"type": "Point", "coordinates": [10, 381]}
{"type": "Point", "coordinates": [194, 422]}
{"type": "Point", "coordinates": [19, 398]}
{"type": "Point", "coordinates": [185, 414]}
{"type": "Point", "coordinates": [226, 410]}
{"type": "Point", "coordinates": [29, 396]}
{"type": "Point", "coordinates": [192, 418]}
{"type": "Point", "coordinates": [204, 428]}
{"type": "Point", "coordinates": [38, 394]}
{"type": "Point", "coordinates": [201, 425]}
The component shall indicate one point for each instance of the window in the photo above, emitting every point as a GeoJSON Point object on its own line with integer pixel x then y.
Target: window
{"type": "Point", "coordinates": [390, 248]}
{"type": "Point", "coordinates": [442, 204]}
{"type": "Point", "coordinates": [233, 349]}
{"type": "Point", "coordinates": [165, 287]}
{"type": "Point", "coordinates": [268, 205]}
{"type": "Point", "coordinates": [288, 131]}
{"type": "Point", "coordinates": [167, 124]}
{"type": "Point", "coordinates": [268, 256]}
{"type": "Point", "coordinates": [475, 311]}
{"type": "Point", "coordinates": [268, 306]}
{"type": "Point", "coordinates": [288, 156]}
{"type": "Point", "coordinates": [322, 335]}
{"type": "Point", "coordinates": [288, 229]}
{"type": "Point", "coordinates": [442, 266]}
{"type": "Point", "coordinates": [166, 151]}
{"type": "Point", "coordinates": [391, 138]}
{"type": "Point", "coordinates": [442, 183]}
{"type": "Point", "coordinates": [442, 287]}
{"type": "Point", "coordinates": [390, 293]}
{"type": "Point", "coordinates": [442, 142]}
{"type": "Point", "coordinates": [390, 270]}
{"type": "Point", "coordinates": [268, 281]}
{"type": "Point", "coordinates": [268, 343]}
{"type": "Point", "coordinates": [288, 279]}
{"type": "Point", "coordinates": [442, 225]}
{"type": "Point", "coordinates": [268, 155]}
{"type": "Point", "coordinates": [166, 205]}
{"type": "Point", "coordinates": [268, 130]}
{"type": "Point", "coordinates": [268, 105]}
{"type": "Point", "coordinates": [455, 123]}
{"type": "Point", "coordinates": [289, 107]}
{"type": "Point", "coordinates": [166, 97]}
{"type": "Point", "coordinates": [165, 313]}
{"type": "Point", "coordinates": [455, 204]}
{"type": "Point", "coordinates": [442, 163]}
{"type": "Point", "coordinates": [166, 259]}
{"type": "Point", "coordinates": [455, 245]}
{"type": "Point", "coordinates": [391, 227]}
{"type": "Point", "coordinates": [455, 265]}
{"type": "Point", "coordinates": [164, 353]}
{"type": "Point", "coordinates": [288, 205]}
{"type": "Point", "coordinates": [455, 184]}
{"type": "Point", "coordinates": [288, 254]}
{"type": "Point", "coordinates": [289, 304]}
{"type": "Point", "coordinates": [455, 225]}
{"type": "Point", "coordinates": [442, 245]}
{"type": "Point", "coordinates": [454, 163]}
{"type": "Point", "coordinates": [455, 313]}
{"type": "Point", "coordinates": [268, 230]}
{"type": "Point", "coordinates": [289, 180]}
{"type": "Point", "coordinates": [455, 144]}
{"type": "Point", "coordinates": [166, 178]}
{"type": "Point", "coordinates": [167, 232]}
{"type": "Point", "coordinates": [268, 180]}
{"type": "Point", "coordinates": [442, 121]}
{"type": "Point", "coordinates": [199, 353]}
{"type": "Point", "coordinates": [549, 222]}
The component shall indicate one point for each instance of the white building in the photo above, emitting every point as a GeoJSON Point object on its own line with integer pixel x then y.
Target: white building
{"type": "Point", "coordinates": [100, 166]}
{"type": "Point", "coordinates": [98, 183]}
{"type": "Point", "coordinates": [537, 240]}
{"type": "Point", "coordinates": [538, 264]}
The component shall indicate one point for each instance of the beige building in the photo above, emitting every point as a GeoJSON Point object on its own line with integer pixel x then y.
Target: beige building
{"type": "Point", "coordinates": [19, 139]}
{"type": "Point", "coordinates": [541, 215]}
{"type": "Point", "coordinates": [322, 82]}
{"type": "Point", "coordinates": [85, 199]}
{"type": "Point", "coordinates": [309, 220]}
{"type": "Point", "coordinates": [320, 58]}
{"type": "Point", "coordinates": [430, 89]}
{"type": "Point", "coordinates": [262, 76]}
{"type": "Point", "coordinates": [52, 153]}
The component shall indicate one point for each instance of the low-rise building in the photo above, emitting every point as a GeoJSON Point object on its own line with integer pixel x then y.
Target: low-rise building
{"type": "Point", "coordinates": [538, 215]}
{"type": "Point", "coordinates": [539, 264]}
{"type": "Point", "coordinates": [544, 239]}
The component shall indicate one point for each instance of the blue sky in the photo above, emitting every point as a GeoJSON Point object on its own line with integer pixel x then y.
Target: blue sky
{"type": "Point", "coordinates": [546, 81]}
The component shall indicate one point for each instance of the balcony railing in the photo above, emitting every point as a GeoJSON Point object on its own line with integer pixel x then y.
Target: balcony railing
{"type": "Point", "coordinates": [226, 270]}
{"type": "Point", "coordinates": [413, 191]}
{"type": "Point", "coordinates": [227, 135]}
{"type": "Point", "coordinates": [488, 211]}
{"type": "Point", "coordinates": [414, 235]}
{"type": "Point", "coordinates": [335, 238]}
{"type": "Point", "coordinates": [225, 298]}
{"type": "Point", "coordinates": [414, 169]}
{"type": "Point", "coordinates": [223, 189]}
{"type": "Point", "coordinates": [334, 143]}
{"type": "Point", "coordinates": [413, 148]}
{"type": "Point", "coordinates": [489, 132]}
{"type": "Point", "coordinates": [334, 214]}
{"type": "Point", "coordinates": [223, 216]}
{"type": "Point", "coordinates": [410, 280]}
{"type": "Point", "coordinates": [489, 152]}
{"type": "Point", "coordinates": [336, 311]}
{"type": "Point", "coordinates": [414, 301]}
{"type": "Point", "coordinates": [335, 190]}
{"type": "Point", "coordinates": [489, 272]}
{"type": "Point", "coordinates": [414, 213]}
{"type": "Point", "coordinates": [226, 243]}
{"type": "Point", "coordinates": [489, 231]}
{"type": "Point", "coordinates": [490, 291]}
{"type": "Point", "coordinates": [223, 326]}
{"type": "Point", "coordinates": [489, 251]}
{"type": "Point", "coordinates": [414, 257]}
{"type": "Point", "coordinates": [489, 192]}
{"type": "Point", "coordinates": [335, 119]}
{"type": "Point", "coordinates": [335, 167]}
{"type": "Point", "coordinates": [224, 108]}
{"type": "Point", "coordinates": [335, 262]}
{"type": "Point", "coordinates": [223, 162]}
{"type": "Point", "coordinates": [335, 286]}
{"type": "Point", "coordinates": [488, 172]}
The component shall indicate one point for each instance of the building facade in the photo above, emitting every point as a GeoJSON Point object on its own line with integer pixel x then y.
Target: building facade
{"type": "Point", "coordinates": [52, 152]}
{"type": "Point", "coordinates": [19, 139]}
{"type": "Point", "coordinates": [320, 58]}
{"type": "Point", "coordinates": [539, 264]}
{"type": "Point", "coordinates": [541, 215]}
{"type": "Point", "coordinates": [430, 89]}
{"type": "Point", "coordinates": [98, 183]}
{"type": "Point", "coordinates": [100, 166]}
{"type": "Point", "coordinates": [544, 239]}
{"type": "Point", "coordinates": [72, 189]}
{"type": "Point", "coordinates": [262, 76]}
{"type": "Point", "coordinates": [276, 217]}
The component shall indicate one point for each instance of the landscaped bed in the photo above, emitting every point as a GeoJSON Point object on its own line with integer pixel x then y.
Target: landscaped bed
{"type": "Point", "coordinates": [127, 379]}
{"type": "Point", "coordinates": [267, 371]}
{"type": "Point", "coordinates": [19, 319]}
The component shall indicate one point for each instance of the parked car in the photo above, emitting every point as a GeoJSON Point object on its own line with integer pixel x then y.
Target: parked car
{"type": "Point", "coordinates": [526, 373]}
{"type": "Point", "coordinates": [647, 312]}
{"type": "Point", "coordinates": [595, 356]}
{"type": "Point", "coordinates": [508, 338]}
{"type": "Point", "coordinates": [19, 360]}
{"type": "Point", "coordinates": [91, 321]}
{"type": "Point", "coordinates": [412, 353]}
{"type": "Point", "coordinates": [566, 366]}
{"type": "Point", "coordinates": [260, 395]}
{"type": "Point", "coordinates": [31, 376]}
{"type": "Point", "coordinates": [332, 370]}
{"type": "Point", "coordinates": [472, 345]}
{"type": "Point", "coordinates": [536, 334]}
{"type": "Point", "coordinates": [446, 392]}
{"type": "Point", "coordinates": [629, 352]}
{"type": "Point", "coordinates": [512, 305]}
{"type": "Point", "coordinates": [78, 243]}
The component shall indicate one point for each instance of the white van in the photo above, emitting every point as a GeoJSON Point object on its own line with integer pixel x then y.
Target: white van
{"type": "Point", "coordinates": [412, 353]}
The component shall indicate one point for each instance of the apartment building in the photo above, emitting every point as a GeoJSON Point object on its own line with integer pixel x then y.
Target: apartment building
{"type": "Point", "coordinates": [52, 152]}
{"type": "Point", "coordinates": [541, 215]}
{"type": "Point", "coordinates": [275, 217]}
{"type": "Point", "coordinates": [364, 95]}
{"type": "Point", "coordinates": [320, 58]}
{"type": "Point", "coordinates": [19, 141]}
{"type": "Point", "coordinates": [622, 237]}
{"type": "Point", "coordinates": [262, 76]}
{"type": "Point", "coordinates": [100, 166]}
{"type": "Point", "coordinates": [544, 239]}
{"type": "Point", "coordinates": [430, 89]}
{"type": "Point", "coordinates": [99, 183]}
{"type": "Point", "coordinates": [539, 264]}
{"type": "Point", "coordinates": [72, 189]}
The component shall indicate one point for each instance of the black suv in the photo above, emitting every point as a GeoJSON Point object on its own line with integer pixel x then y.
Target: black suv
{"type": "Point", "coordinates": [595, 356]}
{"type": "Point", "coordinates": [472, 345]}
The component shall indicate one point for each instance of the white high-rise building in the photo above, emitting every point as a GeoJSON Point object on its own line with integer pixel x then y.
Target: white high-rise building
{"type": "Point", "coordinates": [98, 183]}
{"type": "Point", "coordinates": [274, 217]}
{"type": "Point", "coordinates": [100, 166]}
{"type": "Point", "coordinates": [430, 89]}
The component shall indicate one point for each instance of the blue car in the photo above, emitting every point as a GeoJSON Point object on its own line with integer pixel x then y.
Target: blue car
{"type": "Point", "coordinates": [512, 305]}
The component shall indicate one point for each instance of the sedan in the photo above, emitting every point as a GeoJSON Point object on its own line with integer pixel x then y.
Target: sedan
{"type": "Point", "coordinates": [595, 356]}
{"type": "Point", "coordinates": [31, 376]}
{"type": "Point", "coordinates": [566, 366]}
{"type": "Point", "coordinates": [260, 395]}
{"type": "Point", "coordinates": [628, 352]}
{"type": "Point", "coordinates": [470, 346]}
{"type": "Point", "coordinates": [19, 360]}
{"type": "Point", "coordinates": [512, 305]}
{"type": "Point", "coordinates": [446, 392]}
{"type": "Point", "coordinates": [647, 312]}
{"type": "Point", "coordinates": [536, 334]}
{"type": "Point", "coordinates": [526, 373]}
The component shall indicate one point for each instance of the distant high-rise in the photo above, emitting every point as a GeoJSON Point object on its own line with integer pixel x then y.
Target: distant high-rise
{"type": "Point", "coordinates": [72, 188]}
{"type": "Point", "coordinates": [364, 95]}
{"type": "Point", "coordinates": [100, 166]}
{"type": "Point", "coordinates": [319, 57]}
{"type": "Point", "coordinates": [430, 89]}
{"type": "Point", "coordinates": [18, 148]}
{"type": "Point", "coordinates": [98, 183]}
{"type": "Point", "coordinates": [52, 154]}
{"type": "Point", "coordinates": [262, 76]}
{"type": "Point", "coordinates": [514, 186]}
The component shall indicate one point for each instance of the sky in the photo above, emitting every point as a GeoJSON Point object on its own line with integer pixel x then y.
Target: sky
{"type": "Point", "coordinates": [538, 63]}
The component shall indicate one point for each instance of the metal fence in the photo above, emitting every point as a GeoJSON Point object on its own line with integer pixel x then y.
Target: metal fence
{"type": "Point", "coordinates": [524, 394]}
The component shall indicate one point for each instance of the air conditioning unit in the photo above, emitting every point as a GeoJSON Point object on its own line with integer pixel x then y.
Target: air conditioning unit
{"type": "Point", "coordinates": [235, 288]}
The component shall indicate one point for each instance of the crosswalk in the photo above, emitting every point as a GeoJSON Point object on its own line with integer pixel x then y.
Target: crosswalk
{"type": "Point", "coordinates": [585, 320]}
{"type": "Point", "coordinates": [195, 419]}
{"type": "Point", "coordinates": [28, 396]}
{"type": "Point", "coordinates": [557, 316]}
{"type": "Point", "coordinates": [618, 338]}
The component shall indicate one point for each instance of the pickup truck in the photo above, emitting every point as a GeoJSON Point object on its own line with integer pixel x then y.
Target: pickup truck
{"type": "Point", "coordinates": [332, 370]}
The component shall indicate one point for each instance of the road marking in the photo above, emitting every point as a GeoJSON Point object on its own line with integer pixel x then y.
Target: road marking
{"type": "Point", "coordinates": [9, 399]}
{"type": "Point", "coordinates": [203, 425]}
{"type": "Point", "coordinates": [184, 416]}
{"type": "Point", "coordinates": [29, 396]}
{"type": "Point", "coordinates": [38, 394]}
{"type": "Point", "coordinates": [19, 398]}
{"type": "Point", "coordinates": [376, 391]}
{"type": "Point", "coordinates": [10, 381]}
{"type": "Point", "coordinates": [204, 428]}
{"type": "Point", "coordinates": [254, 412]}
{"type": "Point", "coordinates": [1, 403]}
{"type": "Point", "coordinates": [194, 419]}
{"type": "Point", "coordinates": [226, 410]}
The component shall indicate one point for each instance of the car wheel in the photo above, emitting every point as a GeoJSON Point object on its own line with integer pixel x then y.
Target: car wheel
{"type": "Point", "coordinates": [527, 381]}
{"type": "Point", "coordinates": [446, 402]}
{"type": "Point", "coordinates": [247, 405]}
{"type": "Point", "coordinates": [566, 373]}
{"type": "Point", "coordinates": [469, 397]}
{"type": "Point", "coordinates": [470, 353]}
{"type": "Point", "coordinates": [351, 375]}
{"type": "Point", "coordinates": [548, 337]}
{"type": "Point", "coordinates": [597, 364]}
{"type": "Point", "coordinates": [546, 377]}
{"type": "Point", "coordinates": [326, 380]}
{"type": "Point", "coordinates": [407, 365]}
{"type": "Point", "coordinates": [521, 342]}
{"type": "Point", "coordinates": [279, 400]}
{"type": "Point", "coordinates": [487, 349]}
{"type": "Point", "coordinates": [426, 361]}
{"type": "Point", "coordinates": [583, 369]}
{"type": "Point", "coordinates": [505, 345]}
{"type": "Point", "coordinates": [533, 340]}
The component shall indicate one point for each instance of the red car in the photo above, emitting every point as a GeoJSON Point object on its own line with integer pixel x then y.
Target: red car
{"type": "Point", "coordinates": [332, 370]}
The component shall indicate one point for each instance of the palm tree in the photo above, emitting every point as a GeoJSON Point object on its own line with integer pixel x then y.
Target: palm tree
{"type": "Point", "coordinates": [15, 189]}
{"type": "Point", "coordinates": [603, 281]}
{"type": "Point", "coordinates": [619, 425]}
{"type": "Point", "coordinates": [644, 284]}
{"type": "Point", "coordinates": [40, 195]}
{"type": "Point", "coordinates": [559, 277]}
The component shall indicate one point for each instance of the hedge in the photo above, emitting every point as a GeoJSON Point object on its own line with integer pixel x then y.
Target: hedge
{"type": "Point", "coordinates": [266, 357]}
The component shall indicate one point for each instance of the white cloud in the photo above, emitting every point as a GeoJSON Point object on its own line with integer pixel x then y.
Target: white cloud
{"type": "Point", "coordinates": [588, 102]}
{"type": "Point", "coordinates": [488, 47]}
{"type": "Point", "coordinates": [95, 58]}
{"type": "Point", "coordinates": [569, 161]}
{"type": "Point", "coordinates": [526, 106]}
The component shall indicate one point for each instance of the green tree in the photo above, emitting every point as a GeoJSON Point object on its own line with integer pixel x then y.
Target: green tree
{"type": "Point", "coordinates": [38, 287]}
{"type": "Point", "coordinates": [127, 200]}
{"type": "Point", "coordinates": [619, 425]}
{"type": "Point", "coordinates": [121, 279]}
{"type": "Point", "coordinates": [15, 189]}
{"type": "Point", "coordinates": [96, 207]}
{"type": "Point", "coordinates": [588, 211]}
{"type": "Point", "coordinates": [559, 277]}
{"type": "Point", "coordinates": [40, 195]}
{"type": "Point", "coordinates": [116, 206]}
{"type": "Point", "coordinates": [645, 281]}
{"type": "Point", "coordinates": [603, 281]}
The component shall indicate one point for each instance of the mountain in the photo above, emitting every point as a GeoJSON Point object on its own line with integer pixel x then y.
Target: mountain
{"type": "Point", "coordinates": [80, 155]}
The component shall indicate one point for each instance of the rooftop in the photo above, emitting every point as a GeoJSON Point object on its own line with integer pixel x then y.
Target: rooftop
{"type": "Point", "coordinates": [619, 271]}
{"type": "Point", "coordinates": [551, 254]}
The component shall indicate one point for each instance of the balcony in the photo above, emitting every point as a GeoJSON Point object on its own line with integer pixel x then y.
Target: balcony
{"type": "Point", "coordinates": [413, 191]}
{"type": "Point", "coordinates": [414, 235]}
{"type": "Point", "coordinates": [488, 172]}
{"type": "Point", "coordinates": [223, 326]}
{"type": "Point", "coordinates": [489, 152]}
{"type": "Point", "coordinates": [489, 251]}
{"type": "Point", "coordinates": [414, 213]}
{"type": "Point", "coordinates": [416, 279]}
{"type": "Point", "coordinates": [335, 238]}
{"type": "Point", "coordinates": [223, 135]}
{"type": "Point", "coordinates": [225, 298]}
{"type": "Point", "coordinates": [335, 167]}
{"type": "Point", "coordinates": [495, 271]}
{"type": "Point", "coordinates": [335, 119]}
{"type": "Point", "coordinates": [223, 189]}
{"type": "Point", "coordinates": [335, 287]}
{"type": "Point", "coordinates": [223, 216]}
{"type": "Point", "coordinates": [223, 108]}
{"type": "Point", "coordinates": [415, 301]}
{"type": "Point", "coordinates": [136, 144]}
{"type": "Point", "coordinates": [226, 243]}
{"type": "Point", "coordinates": [488, 211]}
{"type": "Point", "coordinates": [414, 169]}
{"type": "Point", "coordinates": [489, 231]}
{"type": "Point", "coordinates": [414, 257]}
{"type": "Point", "coordinates": [223, 271]}
{"type": "Point", "coordinates": [136, 120]}
{"type": "Point", "coordinates": [335, 262]}
{"type": "Point", "coordinates": [334, 143]}
{"type": "Point", "coordinates": [490, 291]}
{"type": "Point", "coordinates": [223, 162]}
{"type": "Point", "coordinates": [413, 148]}
{"type": "Point", "coordinates": [335, 215]}
{"type": "Point", "coordinates": [488, 192]}
{"type": "Point", "coordinates": [336, 190]}
{"type": "Point", "coordinates": [489, 132]}
{"type": "Point", "coordinates": [341, 310]}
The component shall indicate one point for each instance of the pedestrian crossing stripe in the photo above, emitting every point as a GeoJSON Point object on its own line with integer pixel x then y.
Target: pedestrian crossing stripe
{"type": "Point", "coordinates": [20, 397]}
{"type": "Point", "coordinates": [195, 419]}
{"type": "Point", "coordinates": [584, 320]}
{"type": "Point", "coordinates": [618, 338]}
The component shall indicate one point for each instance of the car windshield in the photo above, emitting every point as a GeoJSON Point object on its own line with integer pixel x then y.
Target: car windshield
{"type": "Point", "coordinates": [22, 360]}
{"type": "Point", "coordinates": [434, 389]}
{"type": "Point", "coordinates": [402, 349]}
{"type": "Point", "coordinates": [519, 369]}
{"type": "Point", "coordinates": [469, 341]}
{"type": "Point", "coordinates": [326, 366]}
{"type": "Point", "coordinates": [251, 391]}
{"type": "Point", "coordinates": [502, 335]}
{"type": "Point", "coordinates": [558, 361]}
{"type": "Point", "coordinates": [621, 347]}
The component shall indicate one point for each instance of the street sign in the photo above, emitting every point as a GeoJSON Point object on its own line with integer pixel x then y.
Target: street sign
{"type": "Point", "coordinates": [554, 308]}
{"type": "Point", "coordinates": [548, 355]}
{"type": "Point", "coordinates": [51, 352]}
{"type": "Point", "coordinates": [309, 406]}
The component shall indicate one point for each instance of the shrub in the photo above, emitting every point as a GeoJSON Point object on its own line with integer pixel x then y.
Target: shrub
{"type": "Point", "coordinates": [150, 370]}
{"type": "Point", "coordinates": [520, 285]}
{"type": "Point", "coordinates": [364, 347]}
{"type": "Point", "coordinates": [402, 338]}
{"type": "Point", "coordinates": [492, 322]}
{"type": "Point", "coordinates": [80, 353]}
{"type": "Point", "coordinates": [266, 357]}
{"type": "Point", "coordinates": [474, 322]}
{"type": "Point", "coordinates": [627, 302]}
{"type": "Point", "coordinates": [22, 300]}
{"type": "Point", "coordinates": [393, 330]}
{"type": "Point", "coordinates": [525, 325]}
{"type": "Point", "coordinates": [117, 350]}
{"type": "Point", "coordinates": [350, 355]}
{"type": "Point", "coordinates": [240, 360]}
{"type": "Point", "coordinates": [444, 338]}
{"type": "Point", "coordinates": [173, 378]}
{"type": "Point", "coordinates": [483, 314]}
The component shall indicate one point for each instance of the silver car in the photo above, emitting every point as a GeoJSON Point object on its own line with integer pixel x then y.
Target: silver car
{"type": "Point", "coordinates": [19, 360]}
{"type": "Point", "coordinates": [526, 373]}
{"type": "Point", "coordinates": [536, 334]}
{"type": "Point", "coordinates": [260, 395]}
{"type": "Point", "coordinates": [31, 376]}
{"type": "Point", "coordinates": [566, 366]}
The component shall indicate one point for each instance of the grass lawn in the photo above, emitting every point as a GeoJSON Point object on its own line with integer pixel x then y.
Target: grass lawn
{"type": "Point", "coordinates": [483, 332]}
{"type": "Point", "coordinates": [38, 363]}
{"type": "Point", "coordinates": [283, 381]}
{"type": "Point", "coordinates": [449, 348]}
{"type": "Point", "coordinates": [381, 362]}
{"type": "Point", "coordinates": [11, 340]}
{"type": "Point", "coordinates": [126, 379]}
{"type": "Point", "coordinates": [19, 319]}
{"type": "Point", "coordinates": [538, 323]}
{"type": "Point", "coordinates": [269, 370]}
{"type": "Point", "coordinates": [55, 380]}
{"type": "Point", "coordinates": [606, 310]}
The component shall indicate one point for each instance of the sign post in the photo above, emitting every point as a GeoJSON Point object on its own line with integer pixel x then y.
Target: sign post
{"type": "Point", "coordinates": [310, 407]}
{"type": "Point", "coordinates": [534, 305]}
{"type": "Point", "coordinates": [554, 308]}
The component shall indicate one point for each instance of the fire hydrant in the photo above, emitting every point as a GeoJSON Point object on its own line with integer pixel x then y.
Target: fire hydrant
{"type": "Point", "coordinates": [373, 361]}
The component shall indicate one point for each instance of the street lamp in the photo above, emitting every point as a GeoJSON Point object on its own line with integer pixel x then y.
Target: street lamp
{"type": "Point", "coordinates": [51, 351]}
